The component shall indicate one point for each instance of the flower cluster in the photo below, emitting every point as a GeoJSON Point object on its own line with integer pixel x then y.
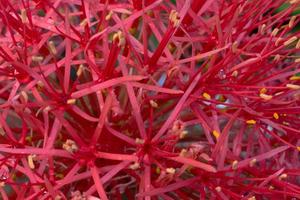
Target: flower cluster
{"type": "Point", "coordinates": [149, 99]}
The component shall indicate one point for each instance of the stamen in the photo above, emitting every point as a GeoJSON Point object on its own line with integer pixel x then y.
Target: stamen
{"type": "Point", "coordinates": [235, 73]}
{"type": "Point", "coordinates": [206, 96]}
{"type": "Point", "coordinates": [292, 21]}
{"type": "Point", "coordinates": [24, 17]}
{"type": "Point", "coordinates": [24, 96]}
{"type": "Point", "coordinates": [37, 58]}
{"type": "Point", "coordinates": [135, 166]}
{"type": "Point", "coordinates": [252, 162]}
{"type": "Point", "coordinates": [262, 29]}
{"type": "Point", "coordinates": [153, 104]}
{"type": "Point", "coordinates": [266, 96]}
{"type": "Point", "coordinates": [292, 86]}
{"type": "Point", "coordinates": [275, 32]}
{"type": "Point", "coordinates": [30, 160]}
{"type": "Point", "coordinates": [218, 189]}
{"type": "Point", "coordinates": [84, 22]}
{"type": "Point", "coordinates": [2, 132]}
{"type": "Point", "coordinates": [109, 15]}
{"type": "Point", "coordinates": [80, 70]}
{"type": "Point", "coordinates": [263, 90]}
{"type": "Point", "coordinates": [183, 153]}
{"type": "Point", "coordinates": [174, 18]}
{"type": "Point", "coordinates": [289, 41]}
{"type": "Point", "coordinates": [119, 37]}
{"type": "Point", "coordinates": [40, 85]}
{"type": "Point", "coordinates": [293, 1]}
{"type": "Point", "coordinates": [275, 115]}
{"type": "Point", "coordinates": [282, 176]}
{"type": "Point", "coordinates": [278, 41]}
{"type": "Point", "coordinates": [139, 141]}
{"type": "Point", "coordinates": [71, 101]}
{"type": "Point", "coordinates": [277, 57]}
{"type": "Point", "coordinates": [298, 44]}
{"type": "Point", "coordinates": [216, 134]}
{"type": "Point", "coordinates": [70, 146]}
{"type": "Point", "coordinates": [234, 165]}
{"type": "Point", "coordinates": [234, 47]}
{"type": "Point", "coordinates": [52, 47]}
{"type": "Point", "coordinates": [251, 122]}
{"type": "Point", "coordinates": [170, 170]}
{"type": "Point", "coordinates": [295, 78]}
{"type": "Point", "coordinates": [183, 134]}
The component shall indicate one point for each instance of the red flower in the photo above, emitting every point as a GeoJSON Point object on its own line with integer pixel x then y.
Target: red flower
{"type": "Point", "coordinates": [149, 99]}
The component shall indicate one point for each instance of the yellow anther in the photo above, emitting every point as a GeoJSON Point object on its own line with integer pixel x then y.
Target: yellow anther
{"type": "Point", "coordinates": [30, 160]}
{"type": "Point", "coordinates": [235, 73]}
{"type": "Point", "coordinates": [52, 47]}
{"type": "Point", "coordinates": [139, 141]}
{"type": "Point", "coordinates": [278, 41]}
{"type": "Point", "coordinates": [234, 165]}
{"type": "Point", "coordinates": [39, 85]}
{"type": "Point", "coordinates": [206, 96]}
{"type": "Point", "coordinates": [109, 15]}
{"type": "Point", "coordinates": [174, 18]}
{"type": "Point", "coordinates": [135, 166]}
{"type": "Point", "coordinates": [183, 134]}
{"type": "Point", "coordinates": [262, 29]}
{"type": "Point", "coordinates": [70, 146]}
{"type": "Point", "coordinates": [170, 170]}
{"type": "Point", "coordinates": [292, 21]}
{"type": "Point", "coordinates": [298, 44]}
{"type": "Point", "coordinates": [119, 37]}
{"type": "Point", "coordinates": [2, 132]}
{"type": "Point", "coordinates": [286, 123]}
{"type": "Point", "coordinates": [84, 22]}
{"type": "Point", "coordinates": [275, 115]}
{"type": "Point", "coordinates": [183, 153]}
{"type": "Point", "coordinates": [252, 162]}
{"type": "Point", "coordinates": [298, 148]}
{"type": "Point", "coordinates": [157, 170]}
{"type": "Point", "coordinates": [234, 47]}
{"type": "Point", "coordinates": [282, 176]}
{"type": "Point", "coordinates": [293, 1]}
{"type": "Point", "coordinates": [297, 60]}
{"type": "Point", "coordinates": [59, 175]}
{"type": "Point", "coordinates": [295, 78]}
{"type": "Point", "coordinates": [153, 104]}
{"type": "Point", "coordinates": [289, 41]}
{"type": "Point", "coordinates": [216, 134]}
{"type": "Point", "coordinates": [24, 17]}
{"type": "Point", "coordinates": [24, 96]}
{"type": "Point", "coordinates": [263, 91]}
{"type": "Point", "coordinates": [266, 96]}
{"type": "Point", "coordinates": [37, 58]}
{"type": "Point", "coordinates": [71, 101]}
{"type": "Point", "coordinates": [277, 57]}
{"type": "Point", "coordinates": [218, 189]}
{"type": "Point", "coordinates": [251, 122]}
{"type": "Point", "coordinates": [293, 86]}
{"type": "Point", "coordinates": [275, 32]}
